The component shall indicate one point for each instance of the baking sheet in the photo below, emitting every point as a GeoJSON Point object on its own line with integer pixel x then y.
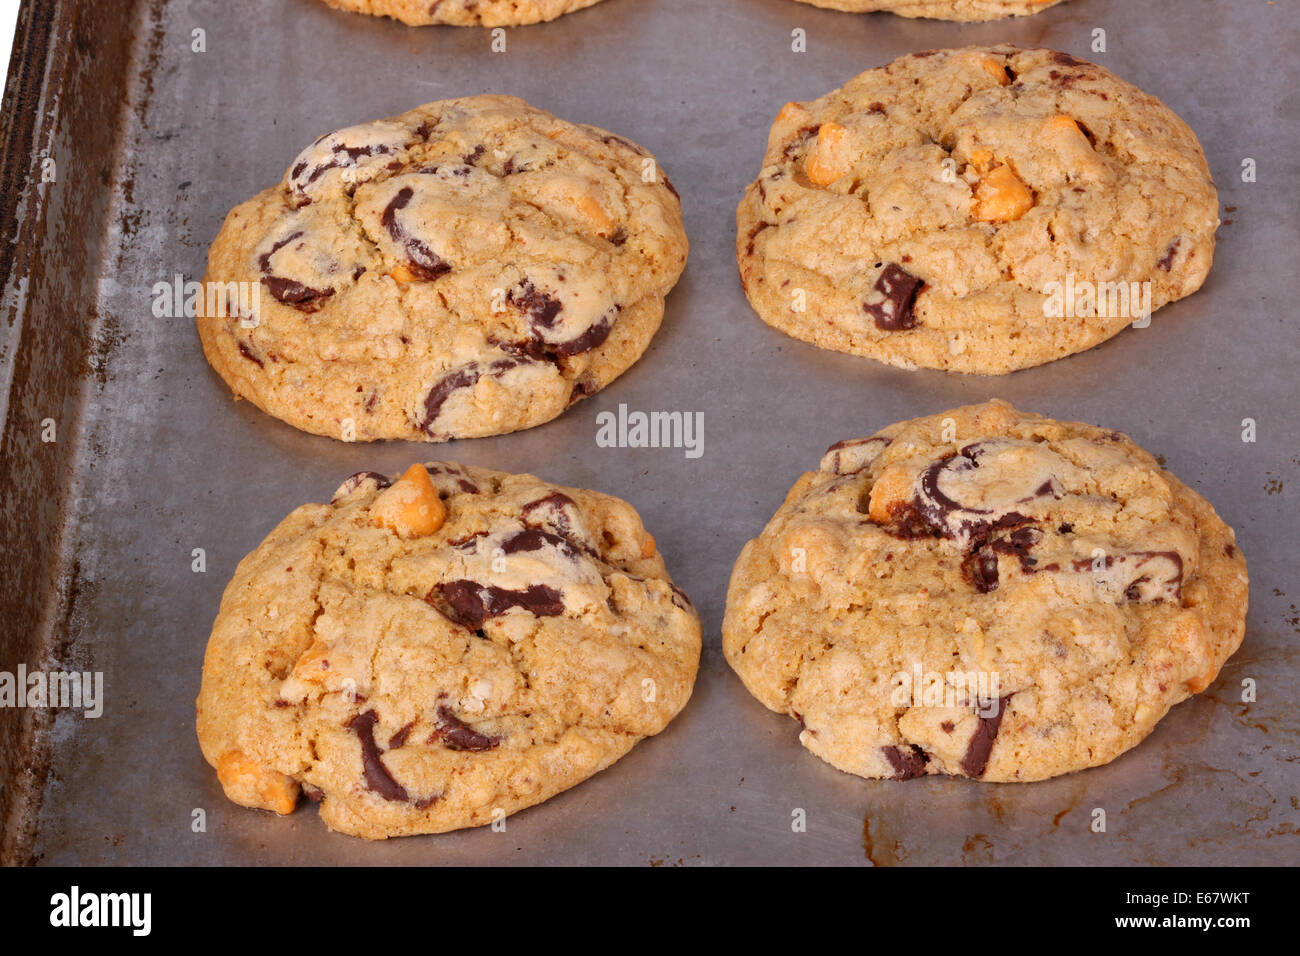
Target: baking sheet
{"type": "Point", "coordinates": [166, 462]}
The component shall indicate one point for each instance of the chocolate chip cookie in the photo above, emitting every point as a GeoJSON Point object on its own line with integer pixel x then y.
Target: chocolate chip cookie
{"type": "Point", "coordinates": [978, 210]}
{"type": "Point", "coordinates": [941, 9]}
{"type": "Point", "coordinates": [440, 650]}
{"type": "Point", "coordinates": [465, 13]}
{"type": "Point", "coordinates": [984, 593]}
{"type": "Point", "coordinates": [469, 268]}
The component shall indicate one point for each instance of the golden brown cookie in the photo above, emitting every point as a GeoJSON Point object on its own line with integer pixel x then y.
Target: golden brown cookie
{"type": "Point", "coordinates": [472, 267]}
{"type": "Point", "coordinates": [984, 593]}
{"type": "Point", "coordinates": [441, 650]}
{"type": "Point", "coordinates": [978, 210]}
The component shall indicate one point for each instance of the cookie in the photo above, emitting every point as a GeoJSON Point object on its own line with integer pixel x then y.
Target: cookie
{"type": "Point", "coordinates": [941, 9]}
{"type": "Point", "coordinates": [465, 13]}
{"type": "Point", "coordinates": [441, 650]}
{"type": "Point", "coordinates": [472, 267]}
{"type": "Point", "coordinates": [984, 593]}
{"type": "Point", "coordinates": [978, 210]}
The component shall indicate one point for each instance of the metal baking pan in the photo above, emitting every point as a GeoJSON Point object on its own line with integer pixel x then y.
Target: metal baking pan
{"type": "Point", "coordinates": [153, 142]}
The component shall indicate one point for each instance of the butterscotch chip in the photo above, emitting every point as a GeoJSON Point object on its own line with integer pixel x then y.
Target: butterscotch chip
{"type": "Point", "coordinates": [415, 676]}
{"type": "Point", "coordinates": [978, 210]}
{"type": "Point", "coordinates": [984, 593]}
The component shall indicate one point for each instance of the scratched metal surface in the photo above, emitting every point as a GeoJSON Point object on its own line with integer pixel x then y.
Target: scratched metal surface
{"type": "Point", "coordinates": [169, 463]}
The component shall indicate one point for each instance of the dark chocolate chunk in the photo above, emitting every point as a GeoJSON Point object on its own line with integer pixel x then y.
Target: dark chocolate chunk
{"type": "Point", "coordinates": [378, 779]}
{"type": "Point", "coordinates": [293, 293]}
{"type": "Point", "coordinates": [976, 759]}
{"type": "Point", "coordinates": [464, 377]}
{"type": "Point", "coordinates": [398, 740]}
{"type": "Point", "coordinates": [898, 290]}
{"type": "Point", "coordinates": [454, 734]}
{"type": "Point", "coordinates": [472, 603]}
{"type": "Point", "coordinates": [908, 762]}
{"type": "Point", "coordinates": [249, 354]}
{"type": "Point", "coordinates": [534, 539]}
{"type": "Point", "coordinates": [421, 260]}
{"type": "Point", "coordinates": [553, 510]}
{"type": "Point", "coordinates": [981, 568]}
{"type": "Point", "coordinates": [542, 309]}
{"type": "Point", "coordinates": [353, 482]}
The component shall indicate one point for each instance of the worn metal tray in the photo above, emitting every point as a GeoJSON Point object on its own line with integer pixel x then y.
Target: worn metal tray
{"type": "Point", "coordinates": [153, 142]}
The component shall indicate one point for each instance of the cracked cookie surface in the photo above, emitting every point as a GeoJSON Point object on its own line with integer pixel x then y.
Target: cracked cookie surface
{"type": "Point", "coordinates": [978, 210]}
{"type": "Point", "coordinates": [469, 268]}
{"type": "Point", "coordinates": [465, 13]}
{"type": "Point", "coordinates": [432, 652]}
{"type": "Point", "coordinates": [941, 9]}
{"type": "Point", "coordinates": [984, 593]}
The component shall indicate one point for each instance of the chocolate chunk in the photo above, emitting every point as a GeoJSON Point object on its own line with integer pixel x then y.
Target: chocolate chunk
{"type": "Point", "coordinates": [908, 762]}
{"type": "Point", "coordinates": [475, 154]}
{"type": "Point", "coordinates": [353, 482]}
{"type": "Point", "coordinates": [454, 734]}
{"type": "Point", "coordinates": [618, 237]}
{"type": "Point", "coordinates": [753, 233]}
{"type": "Point", "coordinates": [457, 479]}
{"type": "Point", "coordinates": [534, 539]}
{"type": "Point", "coordinates": [853, 456]}
{"type": "Point", "coordinates": [421, 260]}
{"type": "Point", "coordinates": [553, 510]}
{"type": "Point", "coordinates": [680, 598]}
{"type": "Point", "coordinates": [593, 338]}
{"type": "Point", "coordinates": [1066, 60]}
{"type": "Point", "coordinates": [464, 377]}
{"type": "Point", "coordinates": [897, 290]}
{"type": "Point", "coordinates": [378, 779]}
{"type": "Point", "coordinates": [294, 293]}
{"type": "Point", "coordinates": [442, 389]}
{"type": "Point", "coordinates": [976, 759]}
{"type": "Point", "coordinates": [472, 603]}
{"type": "Point", "coordinates": [249, 354]}
{"type": "Point", "coordinates": [1156, 575]}
{"type": "Point", "coordinates": [542, 309]}
{"type": "Point", "coordinates": [398, 740]}
{"type": "Point", "coordinates": [981, 569]}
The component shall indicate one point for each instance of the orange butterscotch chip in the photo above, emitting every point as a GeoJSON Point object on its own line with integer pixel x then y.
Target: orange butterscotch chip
{"type": "Point", "coordinates": [411, 508]}
{"type": "Point", "coordinates": [890, 492]}
{"type": "Point", "coordinates": [823, 165]}
{"type": "Point", "coordinates": [995, 69]}
{"type": "Point", "coordinates": [249, 784]}
{"type": "Point", "coordinates": [1000, 196]}
{"type": "Point", "coordinates": [401, 274]}
{"type": "Point", "coordinates": [789, 112]}
{"type": "Point", "coordinates": [597, 216]}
